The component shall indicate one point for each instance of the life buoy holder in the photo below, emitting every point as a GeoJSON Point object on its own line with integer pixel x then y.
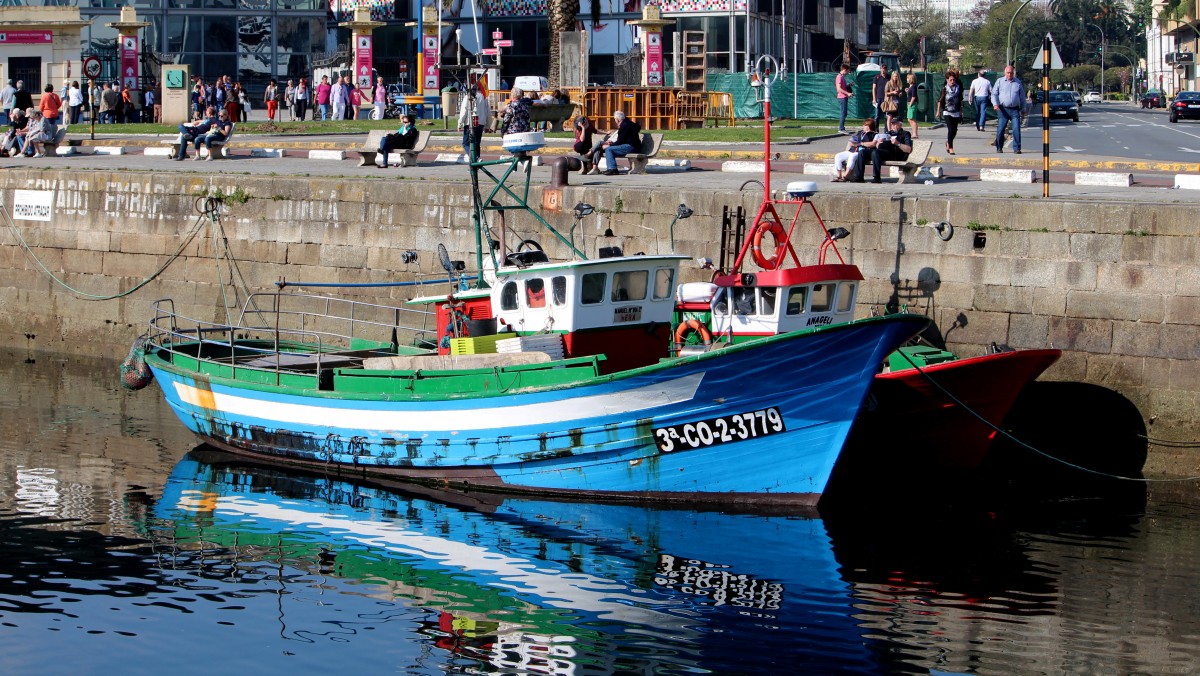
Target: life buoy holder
{"type": "Point", "coordinates": [696, 325]}
{"type": "Point", "coordinates": [780, 237]}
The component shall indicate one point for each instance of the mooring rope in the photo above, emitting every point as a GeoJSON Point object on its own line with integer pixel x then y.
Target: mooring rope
{"type": "Point", "coordinates": [1038, 451]}
{"type": "Point", "coordinates": [83, 295]}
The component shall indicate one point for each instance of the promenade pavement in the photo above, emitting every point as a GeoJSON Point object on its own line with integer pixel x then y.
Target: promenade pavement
{"type": "Point", "coordinates": [711, 165]}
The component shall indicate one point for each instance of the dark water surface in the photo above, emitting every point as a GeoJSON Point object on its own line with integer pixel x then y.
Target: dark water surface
{"type": "Point", "coordinates": [124, 548]}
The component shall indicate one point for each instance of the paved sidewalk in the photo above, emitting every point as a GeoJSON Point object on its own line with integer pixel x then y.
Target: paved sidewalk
{"type": "Point", "coordinates": [1153, 181]}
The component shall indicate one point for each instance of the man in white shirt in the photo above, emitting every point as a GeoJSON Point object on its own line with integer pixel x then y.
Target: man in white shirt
{"type": "Point", "coordinates": [6, 101]}
{"type": "Point", "coordinates": [981, 94]}
{"type": "Point", "coordinates": [474, 114]}
{"type": "Point", "coordinates": [339, 97]}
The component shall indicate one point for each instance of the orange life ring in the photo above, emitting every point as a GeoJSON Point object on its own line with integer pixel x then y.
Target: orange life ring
{"type": "Point", "coordinates": [696, 325]}
{"type": "Point", "coordinates": [780, 237]}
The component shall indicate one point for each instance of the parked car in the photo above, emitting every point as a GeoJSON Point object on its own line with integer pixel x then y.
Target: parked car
{"type": "Point", "coordinates": [1062, 104]}
{"type": "Point", "coordinates": [1078, 99]}
{"type": "Point", "coordinates": [1186, 106]}
{"type": "Point", "coordinates": [1092, 97]}
{"type": "Point", "coordinates": [1153, 98]}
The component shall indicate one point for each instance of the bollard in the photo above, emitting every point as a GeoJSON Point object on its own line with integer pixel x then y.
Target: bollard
{"type": "Point", "coordinates": [561, 167]}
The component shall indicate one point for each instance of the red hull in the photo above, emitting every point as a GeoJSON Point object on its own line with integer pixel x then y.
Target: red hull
{"type": "Point", "coordinates": [938, 405]}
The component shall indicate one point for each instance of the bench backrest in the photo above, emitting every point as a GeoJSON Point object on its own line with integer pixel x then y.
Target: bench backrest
{"type": "Point", "coordinates": [920, 151]}
{"type": "Point", "coordinates": [550, 113]}
{"type": "Point", "coordinates": [651, 142]}
{"type": "Point", "coordinates": [376, 135]}
{"type": "Point", "coordinates": [373, 139]}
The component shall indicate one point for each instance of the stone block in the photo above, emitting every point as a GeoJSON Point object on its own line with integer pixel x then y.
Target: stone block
{"type": "Point", "coordinates": [1003, 298]}
{"type": "Point", "coordinates": [1187, 181]}
{"type": "Point", "coordinates": [1115, 371]}
{"type": "Point", "coordinates": [995, 175]}
{"type": "Point", "coordinates": [1077, 275]}
{"type": "Point", "coordinates": [819, 169]}
{"type": "Point", "coordinates": [327, 155]}
{"type": "Point", "coordinates": [669, 164]}
{"type": "Point", "coordinates": [268, 152]}
{"type": "Point", "coordinates": [1027, 331]}
{"type": "Point", "coordinates": [743, 167]}
{"type": "Point", "coordinates": [1179, 342]}
{"type": "Point", "coordinates": [108, 150]}
{"type": "Point", "coordinates": [1109, 179]}
{"type": "Point", "coordinates": [1111, 305]}
{"type": "Point", "coordinates": [981, 328]}
{"type": "Point", "coordinates": [1134, 277]}
{"type": "Point", "coordinates": [1050, 301]}
{"type": "Point", "coordinates": [354, 257]}
{"type": "Point", "coordinates": [1096, 248]}
{"type": "Point", "coordinates": [86, 262]}
{"type": "Point", "coordinates": [1084, 335]}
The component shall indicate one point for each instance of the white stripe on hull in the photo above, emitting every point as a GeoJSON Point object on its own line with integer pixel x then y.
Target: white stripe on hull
{"type": "Point", "coordinates": [473, 414]}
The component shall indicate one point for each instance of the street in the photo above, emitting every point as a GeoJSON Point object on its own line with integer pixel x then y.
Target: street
{"type": "Point", "coordinates": [1122, 130]}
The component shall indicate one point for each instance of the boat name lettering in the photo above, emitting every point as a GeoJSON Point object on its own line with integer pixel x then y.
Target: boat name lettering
{"type": "Point", "coordinates": [824, 320]}
{"type": "Point", "coordinates": [716, 583]}
{"type": "Point", "coordinates": [722, 430]}
{"type": "Point", "coordinates": [628, 313]}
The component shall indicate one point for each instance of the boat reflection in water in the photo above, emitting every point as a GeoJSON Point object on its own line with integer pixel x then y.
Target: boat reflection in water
{"type": "Point", "coordinates": [541, 586]}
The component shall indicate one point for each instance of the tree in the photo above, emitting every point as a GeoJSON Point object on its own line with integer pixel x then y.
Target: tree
{"type": "Point", "coordinates": [907, 22]}
{"type": "Point", "coordinates": [560, 15]}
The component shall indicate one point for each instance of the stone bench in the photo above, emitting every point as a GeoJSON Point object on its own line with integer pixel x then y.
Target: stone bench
{"type": "Point", "coordinates": [555, 113]}
{"type": "Point", "coordinates": [651, 143]}
{"type": "Point", "coordinates": [51, 145]}
{"type": "Point", "coordinates": [370, 148]}
{"type": "Point", "coordinates": [916, 159]}
{"type": "Point", "coordinates": [218, 150]}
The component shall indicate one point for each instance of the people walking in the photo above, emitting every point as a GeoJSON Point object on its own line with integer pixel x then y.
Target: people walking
{"type": "Point", "coordinates": [1008, 98]}
{"type": "Point", "coordinates": [981, 93]}
{"type": "Point", "coordinates": [474, 114]}
{"type": "Point", "coordinates": [949, 107]}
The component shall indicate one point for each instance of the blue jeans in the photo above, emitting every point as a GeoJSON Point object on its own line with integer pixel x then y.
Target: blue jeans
{"type": "Point", "coordinates": [879, 115]}
{"type": "Point", "coordinates": [1004, 116]}
{"type": "Point", "coordinates": [324, 110]}
{"type": "Point", "coordinates": [981, 106]}
{"type": "Point", "coordinates": [843, 110]}
{"type": "Point", "coordinates": [613, 152]}
{"type": "Point", "coordinates": [4, 118]}
{"type": "Point", "coordinates": [472, 134]}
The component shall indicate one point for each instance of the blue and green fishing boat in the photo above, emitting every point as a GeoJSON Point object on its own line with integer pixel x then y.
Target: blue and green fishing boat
{"type": "Point", "coordinates": [556, 377]}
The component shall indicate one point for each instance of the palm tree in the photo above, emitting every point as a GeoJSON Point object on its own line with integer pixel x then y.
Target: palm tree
{"type": "Point", "coordinates": [560, 15]}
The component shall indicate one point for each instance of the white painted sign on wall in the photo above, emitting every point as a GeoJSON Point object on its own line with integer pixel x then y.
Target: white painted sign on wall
{"type": "Point", "coordinates": [33, 205]}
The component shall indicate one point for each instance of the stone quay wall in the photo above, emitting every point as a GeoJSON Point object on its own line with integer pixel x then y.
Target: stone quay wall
{"type": "Point", "coordinates": [1115, 285]}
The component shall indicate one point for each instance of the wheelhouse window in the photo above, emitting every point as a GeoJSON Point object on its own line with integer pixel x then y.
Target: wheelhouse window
{"type": "Point", "coordinates": [558, 287]}
{"type": "Point", "coordinates": [766, 304]}
{"type": "Point", "coordinates": [629, 285]}
{"type": "Point", "coordinates": [797, 296]}
{"type": "Point", "coordinates": [845, 301]}
{"type": "Point", "coordinates": [743, 300]}
{"type": "Point", "coordinates": [822, 297]}
{"type": "Point", "coordinates": [592, 289]}
{"type": "Point", "coordinates": [508, 296]}
{"type": "Point", "coordinates": [663, 286]}
{"type": "Point", "coordinates": [535, 293]}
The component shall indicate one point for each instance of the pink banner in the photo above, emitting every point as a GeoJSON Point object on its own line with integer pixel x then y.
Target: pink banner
{"type": "Point", "coordinates": [654, 59]}
{"type": "Point", "coordinates": [129, 61]}
{"type": "Point", "coordinates": [27, 37]}
{"type": "Point", "coordinates": [431, 78]}
{"type": "Point", "coordinates": [362, 63]}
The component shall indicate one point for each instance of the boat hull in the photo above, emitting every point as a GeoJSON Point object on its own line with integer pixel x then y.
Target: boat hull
{"type": "Point", "coordinates": [952, 409]}
{"type": "Point", "coordinates": [758, 423]}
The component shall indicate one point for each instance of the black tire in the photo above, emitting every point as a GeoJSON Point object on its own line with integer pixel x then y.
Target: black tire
{"type": "Point", "coordinates": [1174, 117]}
{"type": "Point", "coordinates": [1075, 118]}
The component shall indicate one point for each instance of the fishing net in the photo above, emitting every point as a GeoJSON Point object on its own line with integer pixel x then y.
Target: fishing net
{"type": "Point", "coordinates": [135, 373]}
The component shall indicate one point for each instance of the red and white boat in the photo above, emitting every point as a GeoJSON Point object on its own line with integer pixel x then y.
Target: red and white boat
{"type": "Point", "coordinates": [949, 408]}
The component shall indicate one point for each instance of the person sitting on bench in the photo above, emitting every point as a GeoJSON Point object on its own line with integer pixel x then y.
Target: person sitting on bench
{"type": "Point", "coordinates": [629, 137]}
{"type": "Point", "coordinates": [216, 135]}
{"type": "Point", "coordinates": [189, 132]}
{"type": "Point", "coordinates": [405, 138]}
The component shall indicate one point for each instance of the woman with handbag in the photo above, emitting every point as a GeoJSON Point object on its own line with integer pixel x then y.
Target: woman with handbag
{"type": "Point", "coordinates": [891, 96]}
{"type": "Point", "coordinates": [949, 107]}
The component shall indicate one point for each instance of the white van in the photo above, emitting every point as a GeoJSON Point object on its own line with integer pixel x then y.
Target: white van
{"type": "Point", "coordinates": [531, 84]}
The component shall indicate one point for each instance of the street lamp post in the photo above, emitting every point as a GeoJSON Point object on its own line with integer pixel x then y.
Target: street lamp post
{"type": "Point", "coordinates": [1102, 41]}
{"type": "Point", "coordinates": [1008, 55]}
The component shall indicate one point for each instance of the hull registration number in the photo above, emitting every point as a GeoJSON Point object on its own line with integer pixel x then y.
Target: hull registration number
{"type": "Point", "coordinates": [722, 430]}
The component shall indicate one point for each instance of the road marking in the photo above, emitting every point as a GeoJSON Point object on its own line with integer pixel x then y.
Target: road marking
{"type": "Point", "coordinates": [1188, 150]}
{"type": "Point", "coordinates": [1069, 149]}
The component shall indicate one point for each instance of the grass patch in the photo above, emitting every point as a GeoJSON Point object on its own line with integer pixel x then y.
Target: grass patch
{"type": "Point", "coordinates": [976, 226]}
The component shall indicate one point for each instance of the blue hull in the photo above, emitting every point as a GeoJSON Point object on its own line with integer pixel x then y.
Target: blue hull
{"type": "Point", "coordinates": [566, 582]}
{"type": "Point", "coordinates": [761, 422]}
